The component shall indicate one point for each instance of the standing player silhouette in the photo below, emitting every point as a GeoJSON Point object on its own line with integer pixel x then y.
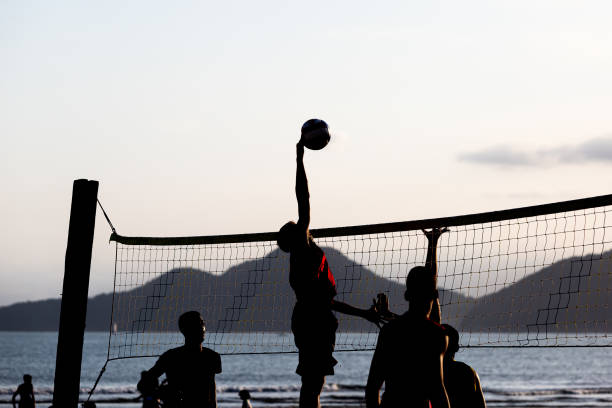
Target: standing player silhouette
{"type": "Point", "coordinates": [409, 353]}
{"type": "Point", "coordinates": [190, 369]}
{"type": "Point", "coordinates": [461, 381]}
{"type": "Point", "coordinates": [313, 323]}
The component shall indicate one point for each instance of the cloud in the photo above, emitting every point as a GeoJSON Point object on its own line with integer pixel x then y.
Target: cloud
{"type": "Point", "coordinates": [597, 150]}
{"type": "Point", "coordinates": [500, 155]}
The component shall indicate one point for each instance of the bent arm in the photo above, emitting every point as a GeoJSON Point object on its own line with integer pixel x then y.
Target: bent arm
{"type": "Point", "coordinates": [149, 378]}
{"type": "Point", "coordinates": [159, 368]}
{"type": "Point", "coordinates": [13, 398]}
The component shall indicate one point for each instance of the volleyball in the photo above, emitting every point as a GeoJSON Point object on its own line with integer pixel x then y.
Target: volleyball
{"type": "Point", "coordinates": [315, 134]}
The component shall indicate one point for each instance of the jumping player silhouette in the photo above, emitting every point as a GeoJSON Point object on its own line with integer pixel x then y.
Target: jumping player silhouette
{"type": "Point", "coordinates": [313, 323]}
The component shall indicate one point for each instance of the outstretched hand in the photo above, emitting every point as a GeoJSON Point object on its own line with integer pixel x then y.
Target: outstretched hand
{"type": "Point", "coordinates": [373, 316]}
{"type": "Point", "coordinates": [434, 233]}
{"type": "Point", "coordinates": [379, 312]}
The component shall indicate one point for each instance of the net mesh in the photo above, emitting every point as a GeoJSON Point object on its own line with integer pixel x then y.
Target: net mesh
{"type": "Point", "coordinates": [537, 276]}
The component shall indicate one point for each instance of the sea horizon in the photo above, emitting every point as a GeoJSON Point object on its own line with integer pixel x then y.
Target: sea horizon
{"type": "Point", "coordinates": [510, 377]}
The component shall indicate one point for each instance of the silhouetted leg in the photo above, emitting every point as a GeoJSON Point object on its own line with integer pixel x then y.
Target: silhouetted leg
{"type": "Point", "coordinates": [310, 391]}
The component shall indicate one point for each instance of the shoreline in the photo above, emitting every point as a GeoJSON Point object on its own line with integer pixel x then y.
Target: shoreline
{"type": "Point", "coordinates": [290, 403]}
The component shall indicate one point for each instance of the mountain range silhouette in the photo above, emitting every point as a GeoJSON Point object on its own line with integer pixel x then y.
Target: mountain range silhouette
{"type": "Point", "coordinates": [570, 295]}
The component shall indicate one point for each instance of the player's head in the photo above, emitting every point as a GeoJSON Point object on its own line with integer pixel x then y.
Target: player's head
{"type": "Point", "coordinates": [453, 340]}
{"type": "Point", "coordinates": [27, 378]}
{"type": "Point", "coordinates": [286, 236]}
{"type": "Point", "coordinates": [420, 288]}
{"type": "Point", "coordinates": [192, 326]}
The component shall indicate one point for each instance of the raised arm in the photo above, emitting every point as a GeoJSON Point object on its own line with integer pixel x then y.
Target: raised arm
{"type": "Point", "coordinates": [433, 235]}
{"type": "Point", "coordinates": [431, 263]}
{"type": "Point", "coordinates": [301, 189]}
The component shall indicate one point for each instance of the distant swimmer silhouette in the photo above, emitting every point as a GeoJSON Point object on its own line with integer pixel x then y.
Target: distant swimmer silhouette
{"type": "Point", "coordinates": [410, 348]}
{"type": "Point", "coordinates": [245, 396]}
{"type": "Point", "coordinates": [461, 381]}
{"type": "Point", "coordinates": [190, 369]}
{"type": "Point", "coordinates": [26, 394]}
{"type": "Point", "coordinates": [313, 323]}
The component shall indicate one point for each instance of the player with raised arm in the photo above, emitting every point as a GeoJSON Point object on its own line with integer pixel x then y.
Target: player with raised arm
{"type": "Point", "coordinates": [430, 268]}
{"type": "Point", "coordinates": [313, 322]}
{"type": "Point", "coordinates": [409, 353]}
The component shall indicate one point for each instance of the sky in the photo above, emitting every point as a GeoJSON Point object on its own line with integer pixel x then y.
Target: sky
{"type": "Point", "coordinates": [188, 113]}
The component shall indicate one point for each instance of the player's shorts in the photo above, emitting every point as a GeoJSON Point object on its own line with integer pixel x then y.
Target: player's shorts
{"type": "Point", "coordinates": [314, 333]}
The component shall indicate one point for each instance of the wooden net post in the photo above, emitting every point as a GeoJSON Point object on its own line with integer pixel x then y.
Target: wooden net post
{"type": "Point", "coordinates": [74, 294]}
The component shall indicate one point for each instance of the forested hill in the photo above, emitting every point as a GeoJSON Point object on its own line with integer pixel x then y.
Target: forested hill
{"type": "Point", "coordinates": [570, 295]}
{"type": "Point", "coordinates": [252, 296]}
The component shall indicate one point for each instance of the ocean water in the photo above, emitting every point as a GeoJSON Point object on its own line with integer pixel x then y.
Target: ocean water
{"type": "Point", "coordinates": [555, 377]}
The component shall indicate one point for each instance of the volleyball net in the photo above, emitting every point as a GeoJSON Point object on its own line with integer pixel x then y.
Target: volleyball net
{"type": "Point", "coordinates": [537, 276]}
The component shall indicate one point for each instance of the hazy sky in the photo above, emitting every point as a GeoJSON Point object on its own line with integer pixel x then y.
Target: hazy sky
{"type": "Point", "coordinates": [188, 114]}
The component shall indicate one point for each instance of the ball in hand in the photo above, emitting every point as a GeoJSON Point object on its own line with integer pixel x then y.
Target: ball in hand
{"type": "Point", "coordinates": [315, 134]}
